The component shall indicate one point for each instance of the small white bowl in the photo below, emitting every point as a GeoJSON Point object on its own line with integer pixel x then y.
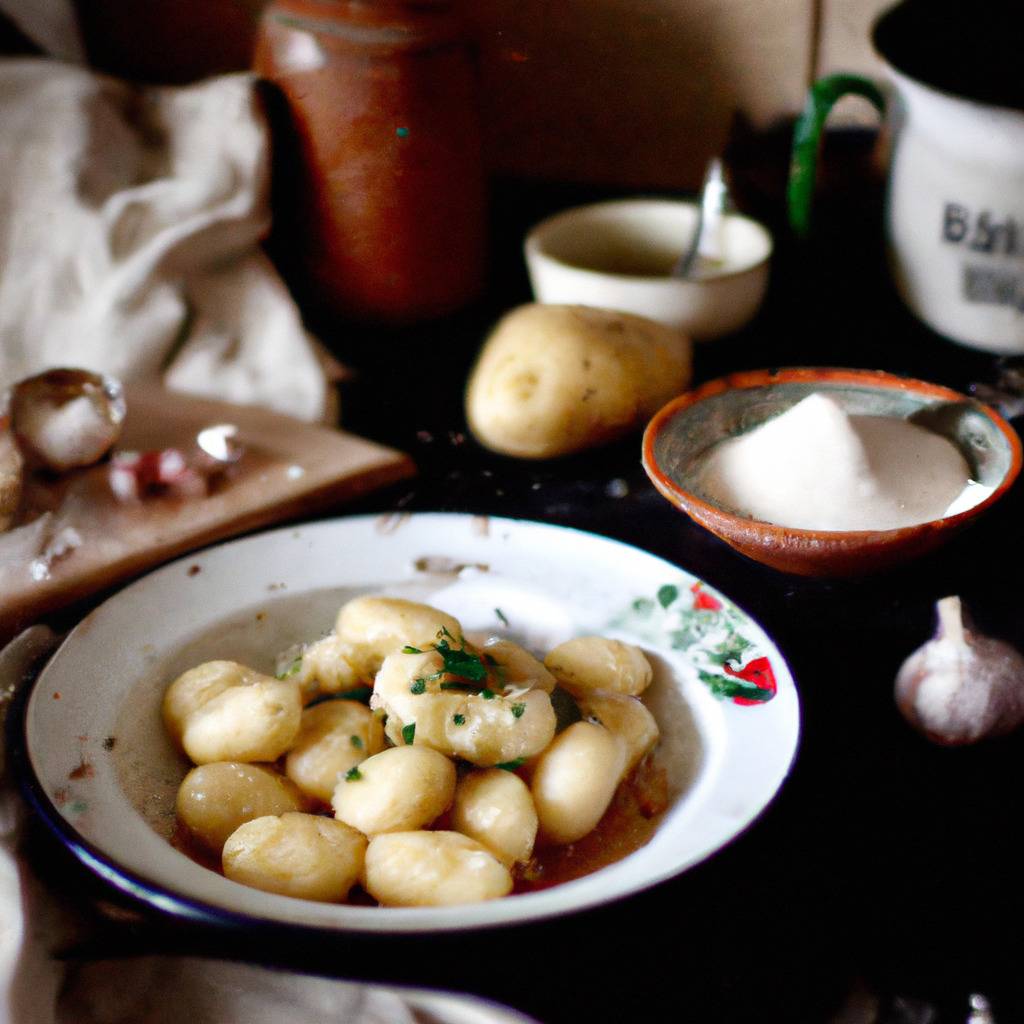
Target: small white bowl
{"type": "Point", "coordinates": [618, 255]}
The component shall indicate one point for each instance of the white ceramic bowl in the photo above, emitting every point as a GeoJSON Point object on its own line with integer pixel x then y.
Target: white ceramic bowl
{"type": "Point", "coordinates": [618, 255]}
{"type": "Point", "coordinates": [96, 764]}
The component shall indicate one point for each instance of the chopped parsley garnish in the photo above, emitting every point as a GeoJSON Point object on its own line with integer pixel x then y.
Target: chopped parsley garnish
{"type": "Point", "coordinates": [356, 742]}
{"type": "Point", "coordinates": [409, 733]}
{"type": "Point", "coordinates": [411, 650]}
{"type": "Point", "coordinates": [518, 709]}
{"type": "Point", "coordinates": [501, 616]}
{"type": "Point", "coordinates": [511, 766]}
{"type": "Point", "coordinates": [667, 594]}
{"type": "Point", "coordinates": [487, 694]}
{"type": "Point", "coordinates": [291, 670]}
{"type": "Point", "coordinates": [353, 774]}
{"type": "Point", "coordinates": [419, 686]}
{"type": "Point", "coordinates": [459, 719]}
{"type": "Point", "coordinates": [457, 661]}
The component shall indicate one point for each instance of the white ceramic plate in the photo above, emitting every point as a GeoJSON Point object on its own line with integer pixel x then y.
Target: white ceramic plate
{"type": "Point", "coordinates": [104, 774]}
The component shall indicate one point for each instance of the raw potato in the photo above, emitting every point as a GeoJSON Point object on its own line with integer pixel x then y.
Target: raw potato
{"type": "Point", "coordinates": [426, 869]}
{"type": "Point", "coordinates": [396, 790]}
{"type": "Point", "coordinates": [551, 380]}
{"type": "Point", "coordinates": [215, 799]}
{"type": "Point", "coordinates": [596, 663]}
{"type": "Point", "coordinates": [223, 711]}
{"type": "Point", "coordinates": [627, 719]}
{"type": "Point", "coordinates": [495, 808]}
{"type": "Point", "coordinates": [574, 781]}
{"type": "Point", "coordinates": [301, 855]}
{"type": "Point", "coordinates": [333, 737]}
{"type": "Point", "coordinates": [379, 626]}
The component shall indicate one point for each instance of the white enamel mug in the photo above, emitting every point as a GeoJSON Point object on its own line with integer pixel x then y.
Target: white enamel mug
{"type": "Point", "coordinates": [955, 197]}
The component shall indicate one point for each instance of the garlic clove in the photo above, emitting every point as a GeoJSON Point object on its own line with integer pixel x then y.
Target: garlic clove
{"type": "Point", "coordinates": [961, 686]}
{"type": "Point", "coordinates": [66, 418]}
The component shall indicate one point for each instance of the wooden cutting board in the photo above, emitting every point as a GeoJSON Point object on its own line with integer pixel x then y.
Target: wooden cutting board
{"type": "Point", "coordinates": [289, 469]}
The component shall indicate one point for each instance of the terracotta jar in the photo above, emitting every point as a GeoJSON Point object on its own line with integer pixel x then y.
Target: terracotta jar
{"type": "Point", "coordinates": [388, 200]}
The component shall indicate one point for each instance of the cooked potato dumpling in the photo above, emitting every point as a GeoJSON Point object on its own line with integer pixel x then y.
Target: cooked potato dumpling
{"type": "Point", "coordinates": [485, 727]}
{"type": "Point", "coordinates": [396, 790]}
{"type": "Point", "coordinates": [574, 781]}
{"type": "Point", "coordinates": [516, 666]}
{"type": "Point", "coordinates": [302, 855]}
{"type": "Point", "coordinates": [379, 626]}
{"type": "Point", "coordinates": [333, 737]}
{"type": "Point", "coordinates": [214, 799]}
{"type": "Point", "coordinates": [223, 711]}
{"type": "Point", "coordinates": [331, 665]}
{"type": "Point", "coordinates": [557, 379]}
{"type": "Point", "coordinates": [626, 718]}
{"type": "Point", "coordinates": [424, 869]}
{"type": "Point", "coordinates": [495, 808]}
{"type": "Point", "coordinates": [597, 663]}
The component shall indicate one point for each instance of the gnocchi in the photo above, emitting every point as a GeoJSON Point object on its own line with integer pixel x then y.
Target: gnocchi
{"type": "Point", "coordinates": [222, 711]}
{"type": "Point", "coordinates": [329, 666]}
{"type": "Point", "coordinates": [396, 790]}
{"type": "Point", "coordinates": [597, 663]}
{"type": "Point", "coordinates": [481, 726]}
{"type": "Point", "coordinates": [574, 781]}
{"type": "Point", "coordinates": [448, 788]}
{"type": "Point", "coordinates": [214, 799]}
{"type": "Point", "coordinates": [417, 869]}
{"type": "Point", "coordinates": [333, 738]}
{"type": "Point", "coordinates": [496, 809]}
{"type": "Point", "coordinates": [303, 855]}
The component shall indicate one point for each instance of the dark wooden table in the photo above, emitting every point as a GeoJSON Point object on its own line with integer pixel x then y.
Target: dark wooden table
{"type": "Point", "coordinates": [885, 863]}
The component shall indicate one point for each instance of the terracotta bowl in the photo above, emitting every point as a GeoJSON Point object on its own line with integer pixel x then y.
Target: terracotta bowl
{"type": "Point", "coordinates": [681, 434]}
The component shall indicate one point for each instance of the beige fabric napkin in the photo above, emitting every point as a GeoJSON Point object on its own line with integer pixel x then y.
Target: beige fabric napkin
{"type": "Point", "coordinates": [35, 988]}
{"type": "Point", "coordinates": [130, 222]}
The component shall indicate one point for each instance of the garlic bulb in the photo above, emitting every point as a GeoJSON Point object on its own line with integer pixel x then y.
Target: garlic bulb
{"type": "Point", "coordinates": [960, 686]}
{"type": "Point", "coordinates": [63, 419]}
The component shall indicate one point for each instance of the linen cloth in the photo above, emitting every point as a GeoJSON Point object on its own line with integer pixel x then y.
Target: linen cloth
{"type": "Point", "coordinates": [130, 222]}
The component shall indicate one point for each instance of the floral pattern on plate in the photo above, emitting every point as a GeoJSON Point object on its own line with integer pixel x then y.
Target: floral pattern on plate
{"type": "Point", "coordinates": [710, 631]}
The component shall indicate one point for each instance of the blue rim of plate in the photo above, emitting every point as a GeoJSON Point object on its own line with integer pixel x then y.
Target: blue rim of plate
{"type": "Point", "coordinates": [144, 893]}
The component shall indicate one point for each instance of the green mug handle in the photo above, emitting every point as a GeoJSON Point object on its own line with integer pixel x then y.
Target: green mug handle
{"type": "Point", "coordinates": [821, 97]}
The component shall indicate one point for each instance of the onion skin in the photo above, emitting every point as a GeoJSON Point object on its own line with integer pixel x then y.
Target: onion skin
{"type": "Point", "coordinates": [960, 686]}
{"type": "Point", "coordinates": [10, 478]}
{"type": "Point", "coordinates": [91, 405]}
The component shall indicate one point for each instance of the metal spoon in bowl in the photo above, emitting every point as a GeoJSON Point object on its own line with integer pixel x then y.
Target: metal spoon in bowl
{"type": "Point", "coordinates": [705, 249]}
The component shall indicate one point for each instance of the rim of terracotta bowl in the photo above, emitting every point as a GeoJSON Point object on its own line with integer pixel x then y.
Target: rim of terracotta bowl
{"type": "Point", "coordinates": [533, 243]}
{"type": "Point", "coordinates": [878, 379]}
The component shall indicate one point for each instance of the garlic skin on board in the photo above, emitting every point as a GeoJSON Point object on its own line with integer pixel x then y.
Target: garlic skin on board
{"type": "Point", "coordinates": [960, 686]}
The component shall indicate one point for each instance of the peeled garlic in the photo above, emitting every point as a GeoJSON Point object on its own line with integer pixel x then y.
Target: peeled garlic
{"type": "Point", "coordinates": [960, 686]}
